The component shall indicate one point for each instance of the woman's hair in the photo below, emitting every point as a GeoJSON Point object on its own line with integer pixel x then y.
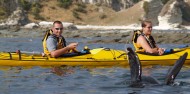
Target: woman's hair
{"type": "Point", "coordinates": [143, 23]}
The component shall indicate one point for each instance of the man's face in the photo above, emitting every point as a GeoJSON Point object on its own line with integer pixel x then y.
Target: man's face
{"type": "Point", "coordinates": [147, 29]}
{"type": "Point", "coordinates": [57, 29]}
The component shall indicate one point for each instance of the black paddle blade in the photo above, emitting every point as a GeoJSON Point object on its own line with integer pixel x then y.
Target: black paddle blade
{"type": "Point", "coordinates": [170, 77]}
{"type": "Point", "coordinates": [135, 66]}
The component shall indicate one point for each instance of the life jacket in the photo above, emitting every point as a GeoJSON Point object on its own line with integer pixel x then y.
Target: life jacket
{"type": "Point", "coordinates": [61, 41]}
{"type": "Point", "coordinates": [150, 41]}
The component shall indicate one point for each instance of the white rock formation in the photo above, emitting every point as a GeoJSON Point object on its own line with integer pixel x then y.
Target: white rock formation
{"type": "Point", "coordinates": [171, 16]}
{"type": "Point", "coordinates": [17, 18]}
{"type": "Point", "coordinates": [45, 24]}
{"type": "Point", "coordinates": [30, 26]}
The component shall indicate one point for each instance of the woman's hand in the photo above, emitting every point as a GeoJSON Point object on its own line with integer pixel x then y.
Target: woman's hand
{"type": "Point", "coordinates": [161, 51]}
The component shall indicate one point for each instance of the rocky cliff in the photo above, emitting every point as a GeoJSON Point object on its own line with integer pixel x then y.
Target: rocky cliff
{"type": "Point", "coordinates": [17, 16]}
{"type": "Point", "coordinates": [172, 14]}
{"type": "Point", "coordinates": [116, 5]}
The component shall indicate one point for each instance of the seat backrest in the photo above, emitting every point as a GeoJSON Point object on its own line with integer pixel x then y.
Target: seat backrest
{"type": "Point", "coordinates": [136, 34]}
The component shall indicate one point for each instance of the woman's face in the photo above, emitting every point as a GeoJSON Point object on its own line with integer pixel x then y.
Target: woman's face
{"type": "Point", "coordinates": [147, 29]}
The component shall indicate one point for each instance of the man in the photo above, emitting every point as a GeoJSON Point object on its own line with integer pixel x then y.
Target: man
{"type": "Point", "coordinates": [146, 42]}
{"type": "Point", "coordinates": [54, 43]}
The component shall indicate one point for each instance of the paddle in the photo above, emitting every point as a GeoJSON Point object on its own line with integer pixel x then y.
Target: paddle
{"type": "Point", "coordinates": [28, 52]}
{"type": "Point", "coordinates": [74, 52]}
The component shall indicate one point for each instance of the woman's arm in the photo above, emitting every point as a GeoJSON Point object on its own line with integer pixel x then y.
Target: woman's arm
{"type": "Point", "coordinates": [142, 41]}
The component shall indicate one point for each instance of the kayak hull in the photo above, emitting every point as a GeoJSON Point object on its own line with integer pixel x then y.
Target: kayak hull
{"type": "Point", "coordinates": [100, 57]}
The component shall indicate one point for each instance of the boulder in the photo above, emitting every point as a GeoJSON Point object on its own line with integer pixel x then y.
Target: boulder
{"type": "Point", "coordinates": [45, 24]}
{"type": "Point", "coordinates": [185, 7]}
{"type": "Point", "coordinates": [152, 9]}
{"type": "Point", "coordinates": [66, 25]}
{"type": "Point", "coordinates": [18, 17]}
{"type": "Point", "coordinates": [171, 15]}
{"type": "Point", "coordinates": [31, 26]}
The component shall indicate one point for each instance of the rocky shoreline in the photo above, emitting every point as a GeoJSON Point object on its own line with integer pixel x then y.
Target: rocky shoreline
{"type": "Point", "coordinates": [104, 36]}
{"type": "Point", "coordinates": [124, 36]}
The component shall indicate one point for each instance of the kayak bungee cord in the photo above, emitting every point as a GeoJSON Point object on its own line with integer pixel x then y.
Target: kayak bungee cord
{"type": "Point", "coordinates": [10, 55]}
{"type": "Point", "coordinates": [113, 53]}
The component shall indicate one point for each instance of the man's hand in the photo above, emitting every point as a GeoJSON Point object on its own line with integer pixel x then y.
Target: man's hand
{"type": "Point", "coordinates": [72, 46]}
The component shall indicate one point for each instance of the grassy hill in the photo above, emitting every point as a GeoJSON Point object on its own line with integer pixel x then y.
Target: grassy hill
{"type": "Point", "coordinates": [80, 14]}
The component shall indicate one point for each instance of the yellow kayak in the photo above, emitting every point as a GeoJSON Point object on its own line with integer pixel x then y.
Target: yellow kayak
{"type": "Point", "coordinates": [167, 59]}
{"type": "Point", "coordinates": [102, 57]}
{"type": "Point", "coordinates": [96, 57]}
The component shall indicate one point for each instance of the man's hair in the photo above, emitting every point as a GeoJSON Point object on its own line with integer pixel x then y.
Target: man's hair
{"type": "Point", "coordinates": [57, 22]}
{"type": "Point", "coordinates": [143, 23]}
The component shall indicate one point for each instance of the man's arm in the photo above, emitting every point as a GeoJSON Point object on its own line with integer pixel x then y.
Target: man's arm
{"type": "Point", "coordinates": [57, 53]}
{"type": "Point", "coordinates": [52, 47]}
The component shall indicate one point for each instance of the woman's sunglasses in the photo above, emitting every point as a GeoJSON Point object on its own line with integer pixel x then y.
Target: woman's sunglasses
{"type": "Point", "coordinates": [59, 28]}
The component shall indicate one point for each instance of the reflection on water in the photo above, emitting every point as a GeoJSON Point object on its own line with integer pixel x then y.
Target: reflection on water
{"type": "Point", "coordinates": [80, 80]}
{"type": "Point", "coordinates": [62, 70]}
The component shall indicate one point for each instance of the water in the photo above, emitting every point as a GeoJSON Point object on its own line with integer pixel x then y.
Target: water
{"type": "Point", "coordinates": [79, 80]}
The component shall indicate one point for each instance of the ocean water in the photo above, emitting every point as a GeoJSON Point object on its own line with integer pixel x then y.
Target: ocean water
{"type": "Point", "coordinates": [81, 80]}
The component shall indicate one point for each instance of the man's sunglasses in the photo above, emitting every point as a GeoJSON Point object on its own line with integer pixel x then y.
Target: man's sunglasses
{"type": "Point", "coordinates": [59, 28]}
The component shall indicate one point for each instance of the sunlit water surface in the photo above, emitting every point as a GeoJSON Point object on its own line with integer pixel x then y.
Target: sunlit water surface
{"type": "Point", "coordinates": [80, 80]}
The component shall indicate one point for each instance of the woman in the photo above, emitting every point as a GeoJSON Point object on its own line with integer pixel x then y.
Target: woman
{"type": "Point", "coordinates": [146, 42]}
